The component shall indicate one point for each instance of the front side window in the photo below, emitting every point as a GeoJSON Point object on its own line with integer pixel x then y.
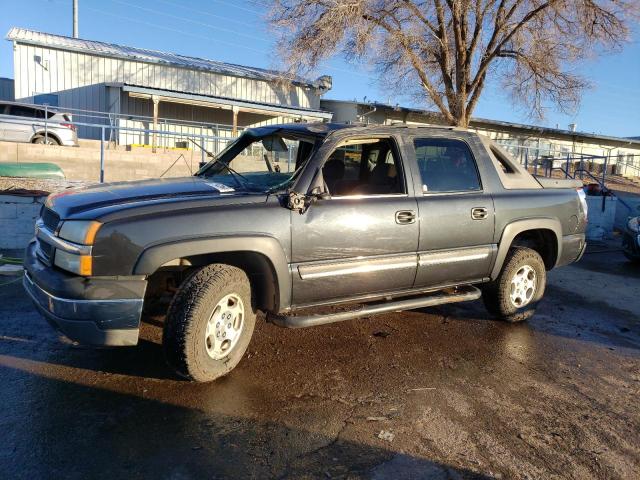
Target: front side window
{"type": "Point", "coordinates": [446, 165]}
{"type": "Point", "coordinates": [364, 167]}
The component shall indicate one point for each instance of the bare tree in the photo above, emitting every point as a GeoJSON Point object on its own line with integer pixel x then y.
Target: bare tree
{"type": "Point", "coordinates": [449, 48]}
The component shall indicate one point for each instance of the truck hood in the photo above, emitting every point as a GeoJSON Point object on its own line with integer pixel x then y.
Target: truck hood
{"type": "Point", "coordinates": [108, 197]}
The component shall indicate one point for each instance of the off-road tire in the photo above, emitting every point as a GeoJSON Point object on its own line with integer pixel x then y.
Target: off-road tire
{"type": "Point", "coordinates": [183, 337]}
{"type": "Point", "coordinates": [41, 140]}
{"type": "Point", "coordinates": [496, 295]}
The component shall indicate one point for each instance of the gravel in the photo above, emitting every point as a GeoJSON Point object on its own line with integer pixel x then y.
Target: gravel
{"type": "Point", "coordinates": [36, 184]}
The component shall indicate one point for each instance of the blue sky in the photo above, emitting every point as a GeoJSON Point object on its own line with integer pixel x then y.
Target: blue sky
{"type": "Point", "coordinates": [235, 31]}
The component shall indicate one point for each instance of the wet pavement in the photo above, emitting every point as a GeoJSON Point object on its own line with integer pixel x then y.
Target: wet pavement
{"type": "Point", "coordinates": [452, 394]}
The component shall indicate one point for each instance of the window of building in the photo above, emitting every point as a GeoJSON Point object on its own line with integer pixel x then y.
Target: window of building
{"type": "Point", "coordinates": [446, 165]}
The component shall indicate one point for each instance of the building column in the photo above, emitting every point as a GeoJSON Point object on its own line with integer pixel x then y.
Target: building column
{"type": "Point", "coordinates": [234, 130]}
{"type": "Point", "coordinates": [156, 102]}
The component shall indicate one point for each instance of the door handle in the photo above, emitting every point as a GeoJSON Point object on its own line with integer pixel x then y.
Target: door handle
{"type": "Point", "coordinates": [405, 217]}
{"type": "Point", "coordinates": [479, 213]}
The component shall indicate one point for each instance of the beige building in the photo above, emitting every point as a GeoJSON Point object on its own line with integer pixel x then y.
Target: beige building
{"type": "Point", "coordinates": [526, 142]}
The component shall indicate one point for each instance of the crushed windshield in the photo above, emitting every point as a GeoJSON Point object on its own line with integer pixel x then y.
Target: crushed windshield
{"type": "Point", "coordinates": [260, 161]}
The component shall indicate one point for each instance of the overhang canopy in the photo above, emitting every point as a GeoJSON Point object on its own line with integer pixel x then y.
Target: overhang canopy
{"type": "Point", "coordinates": [224, 103]}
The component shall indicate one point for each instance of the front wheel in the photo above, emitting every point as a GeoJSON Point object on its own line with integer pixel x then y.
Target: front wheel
{"type": "Point", "coordinates": [514, 295]}
{"type": "Point", "coordinates": [209, 323]}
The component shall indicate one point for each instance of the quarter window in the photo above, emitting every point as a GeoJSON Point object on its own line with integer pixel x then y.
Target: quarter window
{"type": "Point", "coordinates": [446, 165]}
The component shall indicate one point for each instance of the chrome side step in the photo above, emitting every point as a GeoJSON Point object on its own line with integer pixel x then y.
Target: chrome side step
{"type": "Point", "coordinates": [460, 294]}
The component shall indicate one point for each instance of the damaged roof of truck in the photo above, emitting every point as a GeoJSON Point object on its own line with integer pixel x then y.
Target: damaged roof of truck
{"type": "Point", "coordinates": [319, 129]}
{"type": "Point", "coordinates": [311, 129]}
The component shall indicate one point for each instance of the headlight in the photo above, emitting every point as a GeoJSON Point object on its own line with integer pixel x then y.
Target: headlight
{"type": "Point", "coordinates": [79, 231]}
{"type": "Point", "coordinates": [633, 225]}
{"type": "Point", "coordinates": [80, 264]}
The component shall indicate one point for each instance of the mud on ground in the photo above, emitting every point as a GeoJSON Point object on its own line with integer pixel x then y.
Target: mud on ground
{"type": "Point", "coordinates": [438, 393]}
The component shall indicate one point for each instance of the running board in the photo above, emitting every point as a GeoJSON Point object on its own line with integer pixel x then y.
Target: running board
{"type": "Point", "coordinates": [460, 294]}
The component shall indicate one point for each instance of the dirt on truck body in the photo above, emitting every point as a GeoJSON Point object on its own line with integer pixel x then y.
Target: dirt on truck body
{"type": "Point", "coordinates": [370, 219]}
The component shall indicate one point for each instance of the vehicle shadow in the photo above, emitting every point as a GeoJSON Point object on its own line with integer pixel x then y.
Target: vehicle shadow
{"type": "Point", "coordinates": [66, 428]}
{"type": "Point", "coordinates": [580, 319]}
{"type": "Point", "coordinates": [610, 262]}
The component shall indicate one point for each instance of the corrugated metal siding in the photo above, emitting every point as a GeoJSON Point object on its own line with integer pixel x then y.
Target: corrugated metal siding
{"type": "Point", "coordinates": [6, 89]}
{"type": "Point", "coordinates": [79, 81]}
{"type": "Point", "coordinates": [59, 71]}
{"type": "Point", "coordinates": [111, 50]}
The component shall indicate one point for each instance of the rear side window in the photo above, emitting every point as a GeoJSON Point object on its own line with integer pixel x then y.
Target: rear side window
{"type": "Point", "coordinates": [20, 111]}
{"type": "Point", "coordinates": [446, 165]}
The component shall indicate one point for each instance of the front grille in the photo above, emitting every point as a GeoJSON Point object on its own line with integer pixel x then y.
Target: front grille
{"type": "Point", "coordinates": [45, 252]}
{"type": "Point", "coordinates": [50, 219]}
{"type": "Point", "coordinates": [46, 248]}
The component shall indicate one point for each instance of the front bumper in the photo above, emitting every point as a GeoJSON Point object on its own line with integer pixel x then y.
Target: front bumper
{"type": "Point", "coordinates": [84, 309]}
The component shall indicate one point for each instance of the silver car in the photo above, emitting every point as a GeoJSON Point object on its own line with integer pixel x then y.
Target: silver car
{"type": "Point", "coordinates": [26, 123]}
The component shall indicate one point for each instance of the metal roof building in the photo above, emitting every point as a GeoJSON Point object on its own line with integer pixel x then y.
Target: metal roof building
{"type": "Point", "coordinates": [90, 75]}
{"type": "Point", "coordinates": [521, 140]}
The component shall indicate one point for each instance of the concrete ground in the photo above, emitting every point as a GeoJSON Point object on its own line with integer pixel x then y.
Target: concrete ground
{"type": "Point", "coordinates": [440, 393]}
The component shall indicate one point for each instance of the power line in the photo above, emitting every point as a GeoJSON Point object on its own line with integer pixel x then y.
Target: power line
{"type": "Point", "coordinates": [201, 12]}
{"type": "Point", "coordinates": [188, 20]}
{"type": "Point", "coordinates": [202, 37]}
{"type": "Point", "coordinates": [230, 4]}
{"type": "Point", "coordinates": [175, 30]}
{"type": "Point", "coordinates": [263, 52]}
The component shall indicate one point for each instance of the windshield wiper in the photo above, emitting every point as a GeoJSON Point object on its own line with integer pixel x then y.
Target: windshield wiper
{"type": "Point", "coordinates": [234, 173]}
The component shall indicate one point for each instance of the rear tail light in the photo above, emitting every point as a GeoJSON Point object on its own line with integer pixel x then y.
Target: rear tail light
{"type": "Point", "coordinates": [583, 202]}
{"type": "Point", "coordinates": [70, 126]}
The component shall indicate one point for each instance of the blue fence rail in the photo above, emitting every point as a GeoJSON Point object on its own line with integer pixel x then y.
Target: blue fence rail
{"type": "Point", "coordinates": [213, 144]}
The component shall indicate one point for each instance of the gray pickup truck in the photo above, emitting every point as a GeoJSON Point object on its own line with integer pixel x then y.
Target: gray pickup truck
{"type": "Point", "coordinates": [371, 218]}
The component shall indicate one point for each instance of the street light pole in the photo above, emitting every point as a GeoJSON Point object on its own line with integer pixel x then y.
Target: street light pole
{"type": "Point", "coordinates": [75, 18]}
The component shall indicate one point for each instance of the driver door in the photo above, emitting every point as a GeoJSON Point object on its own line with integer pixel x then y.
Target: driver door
{"type": "Point", "coordinates": [362, 240]}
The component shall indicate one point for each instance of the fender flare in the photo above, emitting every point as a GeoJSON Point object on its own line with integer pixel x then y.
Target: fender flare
{"type": "Point", "coordinates": [155, 256]}
{"type": "Point", "coordinates": [514, 228]}
{"type": "Point", "coordinates": [41, 133]}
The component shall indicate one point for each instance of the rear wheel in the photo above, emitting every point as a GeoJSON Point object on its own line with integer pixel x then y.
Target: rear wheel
{"type": "Point", "coordinates": [49, 140]}
{"type": "Point", "coordinates": [514, 295]}
{"type": "Point", "coordinates": [209, 323]}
